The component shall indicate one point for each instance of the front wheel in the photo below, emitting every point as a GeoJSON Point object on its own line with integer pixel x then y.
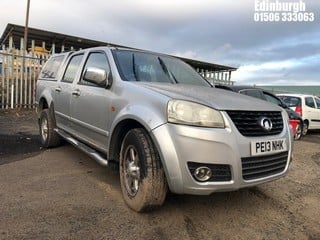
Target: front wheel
{"type": "Point", "coordinates": [305, 128]}
{"type": "Point", "coordinates": [142, 176]}
{"type": "Point", "coordinates": [298, 134]}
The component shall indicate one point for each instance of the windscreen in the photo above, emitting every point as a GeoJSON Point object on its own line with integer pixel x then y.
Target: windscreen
{"type": "Point", "coordinates": [150, 67]}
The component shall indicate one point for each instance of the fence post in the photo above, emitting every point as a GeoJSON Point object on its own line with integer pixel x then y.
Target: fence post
{"type": "Point", "coordinates": [53, 48]}
{"type": "Point", "coordinates": [12, 95]}
{"type": "Point", "coordinates": [21, 73]}
{"type": "Point", "coordinates": [2, 77]}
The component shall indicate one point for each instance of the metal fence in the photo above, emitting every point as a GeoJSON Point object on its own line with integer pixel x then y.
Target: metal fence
{"type": "Point", "coordinates": [18, 75]}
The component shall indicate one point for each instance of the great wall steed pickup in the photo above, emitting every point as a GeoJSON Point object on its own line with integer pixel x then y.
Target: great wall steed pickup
{"type": "Point", "coordinates": [163, 124]}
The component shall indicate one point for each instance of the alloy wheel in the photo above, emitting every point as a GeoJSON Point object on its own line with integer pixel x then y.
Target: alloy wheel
{"type": "Point", "coordinates": [131, 170]}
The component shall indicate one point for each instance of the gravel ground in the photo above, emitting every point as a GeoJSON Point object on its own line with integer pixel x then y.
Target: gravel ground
{"type": "Point", "coordinates": [61, 193]}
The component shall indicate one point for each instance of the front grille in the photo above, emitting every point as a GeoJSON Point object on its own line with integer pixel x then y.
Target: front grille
{"type": "Point", "coordinates": [220, 172]}
{"type": "Point", "coordinates": [263, 166]}
{"type": "Point", "coordinates": [248, 122]}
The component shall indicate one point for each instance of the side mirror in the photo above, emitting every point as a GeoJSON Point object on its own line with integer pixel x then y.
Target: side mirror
{"type": "Point", "coordinates": [97, 76]}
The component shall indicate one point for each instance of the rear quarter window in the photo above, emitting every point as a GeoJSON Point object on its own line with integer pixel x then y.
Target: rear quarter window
{"type": "Point", "coordinates": [51, 68]}
{"type": "Point", "coordinates": [253, 93]}
{"type": "Point", "coordinates": [272, 99]}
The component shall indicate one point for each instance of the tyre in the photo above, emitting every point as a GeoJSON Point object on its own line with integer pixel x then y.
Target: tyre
{"type": "Point", "coordinates": [298, 134]}
{"type": "Point", "coordinates": [49, 138]}
{"type": "Point", "coordinates": [305, 128]}
{"type": "Point", "coordinates": [142, 177]}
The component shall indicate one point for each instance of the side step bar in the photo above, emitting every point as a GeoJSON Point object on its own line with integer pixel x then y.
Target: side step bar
{"type": "Point", "coordinates": [88, 150]}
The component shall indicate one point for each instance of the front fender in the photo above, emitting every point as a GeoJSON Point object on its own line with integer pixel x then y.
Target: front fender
{"type": "Point", "coordinates": [132, 117]}
{"type": "Point", "coordinates": [149, 118]}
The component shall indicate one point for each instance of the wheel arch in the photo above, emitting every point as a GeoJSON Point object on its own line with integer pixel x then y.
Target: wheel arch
{"type": "Point", "coordinates": [118, 134]}
{"type": "Point", "coordinates": [45, 103]}
{"type": "Point", "coordinates": [130, 117]}
{"type": "Point", "coordinates": [305, 126]}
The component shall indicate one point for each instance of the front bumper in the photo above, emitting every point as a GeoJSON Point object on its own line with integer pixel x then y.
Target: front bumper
{"type": "Point", "coordinates": [180, 144]}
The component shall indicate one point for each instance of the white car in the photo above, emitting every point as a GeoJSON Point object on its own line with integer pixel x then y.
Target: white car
{"type": "Point", "coordinates": [307, 106]}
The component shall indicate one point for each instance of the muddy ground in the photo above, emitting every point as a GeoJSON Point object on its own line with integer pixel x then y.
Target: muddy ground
{"type": "Point", "coordinates": [63, 194]}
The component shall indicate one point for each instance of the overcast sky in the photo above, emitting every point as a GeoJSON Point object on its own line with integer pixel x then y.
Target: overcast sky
{"type": "Point", "coordinates": [222, 32]}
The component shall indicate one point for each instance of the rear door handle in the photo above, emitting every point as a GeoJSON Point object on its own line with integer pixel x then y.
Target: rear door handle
{"type": "Point", "coordinates": [58, 89]}
{"type": "Point", "coordinates": [76, 93]}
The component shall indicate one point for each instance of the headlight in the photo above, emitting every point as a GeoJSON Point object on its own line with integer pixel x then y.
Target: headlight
{"type": "Point", "coordinates": [189, 113]}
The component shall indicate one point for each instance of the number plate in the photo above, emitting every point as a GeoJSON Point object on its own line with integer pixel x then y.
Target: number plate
{"type": "Point", "coordinates": [268, 147]}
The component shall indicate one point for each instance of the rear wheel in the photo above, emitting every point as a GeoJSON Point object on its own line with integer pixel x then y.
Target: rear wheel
{"type": "Point", "coordinates": [142, 176]}
{"type": "Point", "coordinates": [49, 138]}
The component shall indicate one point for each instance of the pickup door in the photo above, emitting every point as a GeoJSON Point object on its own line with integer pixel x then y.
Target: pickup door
{"type": "Point", "coordinates": [63, 92]}
{"type": "Point", "coordinates": [90, 104]}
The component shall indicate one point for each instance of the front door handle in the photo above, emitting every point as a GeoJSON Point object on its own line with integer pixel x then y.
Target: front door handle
{"type": "Point", "coordinates": [76, 93]}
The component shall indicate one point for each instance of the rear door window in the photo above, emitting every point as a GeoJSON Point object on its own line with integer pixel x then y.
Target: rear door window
{"type": "Point", "coordinates": [72, 68]}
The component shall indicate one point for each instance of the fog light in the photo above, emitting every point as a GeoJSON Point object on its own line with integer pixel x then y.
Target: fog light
{"type": "Point", "coordinates": [202, 174]}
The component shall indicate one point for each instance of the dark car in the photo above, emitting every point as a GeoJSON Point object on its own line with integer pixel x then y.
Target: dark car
{"type": "Point", "coordinates": [295, 119]}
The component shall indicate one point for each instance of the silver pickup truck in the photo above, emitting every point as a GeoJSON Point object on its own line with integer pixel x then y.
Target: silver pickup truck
{"type": "Point", "coordinates": [163, 124]}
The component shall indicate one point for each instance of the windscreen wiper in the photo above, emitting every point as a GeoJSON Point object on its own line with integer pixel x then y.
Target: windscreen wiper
{"type": "Point", "coordinates": [134, 68]}
{"type": "Point", "coordinates": [166, 70]}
